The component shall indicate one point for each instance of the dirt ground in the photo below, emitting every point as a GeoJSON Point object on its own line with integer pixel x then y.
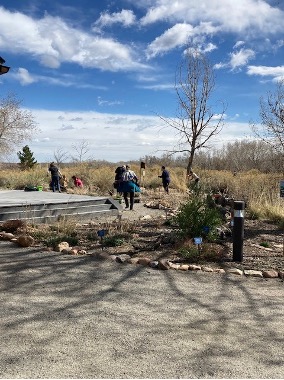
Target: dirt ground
{"type": "Point", "coordinates": [152, 237]}
{"type": "Point", "coordinates": [147, 232]}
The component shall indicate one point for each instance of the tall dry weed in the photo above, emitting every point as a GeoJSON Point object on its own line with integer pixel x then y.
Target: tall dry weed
{"type": "Point", "coordinates": [260, 191]}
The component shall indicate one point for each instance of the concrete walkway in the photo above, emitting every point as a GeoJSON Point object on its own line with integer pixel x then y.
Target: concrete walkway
{"type": "Point", "coordinates": [75, 317]}
{"type": "Point", "coordinates": [21, 197]}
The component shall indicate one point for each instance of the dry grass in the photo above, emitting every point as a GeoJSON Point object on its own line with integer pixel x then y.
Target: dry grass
{"type": "Point", "coordinates": [259, 190]}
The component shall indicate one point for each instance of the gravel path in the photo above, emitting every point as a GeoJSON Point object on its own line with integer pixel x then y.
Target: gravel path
{"type": "Point", "coordinates": [75, 317]}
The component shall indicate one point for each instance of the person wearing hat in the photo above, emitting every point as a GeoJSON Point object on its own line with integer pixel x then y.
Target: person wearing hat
{"type": "Point", "coordinates": [128, 186]}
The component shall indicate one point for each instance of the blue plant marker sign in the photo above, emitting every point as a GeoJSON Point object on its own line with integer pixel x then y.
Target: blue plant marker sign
{"type": "Point", "coordinates": [101, 233]}
{"type": "Point", "coordinates": [198, 240]}
{"type": "Point", "coordinates": [206, 229]}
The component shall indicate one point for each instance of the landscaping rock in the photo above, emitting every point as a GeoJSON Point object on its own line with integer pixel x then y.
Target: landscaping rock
{"type": "Point", "coordinates": [253, 273]}
{"type": "Point", "coordinates": [163, 264]}
{"type": "Point", "coordinates": [270, 273]}
{"type": "Point", "coordinates": [113, 257]}
{"type": "Point", "coordinates": [206, 269]}
{"type": "Point", "coordinates": [122, 258]}
{"type": "Point", "coordinates": [6, 235]}
{"type": "Point", "coordinates": [13, 224]}
{"type": "Point", "coordinates": [61, 246]}
{"type": "Point", "coordinates": [144, 261]}
{"type": "Point", "coordinates": [25, 240]}
{"type": "Point", "coordinates": [235, 271]}
{"type": "Point", "coordinates": [281, 273]}
{"type": "Point", "coordinates": [183, 267]}
{"type": "Point", "coordinates": [66, 251]}
{"type": "Point", "coordinates": [154, 264]}
{"type": "Point", "coordinates": [194, 267]}
{"type": "Point", "coordinates": [173, 265]}
{"type": "Point", "coordinates": [146, 217]}
{"type": "Point", "coordinates": [133, 260]}
{"type": "Point", "coordinates": [219, 270]}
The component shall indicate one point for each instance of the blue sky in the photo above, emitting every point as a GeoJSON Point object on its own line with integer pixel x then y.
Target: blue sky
{"type": "Point", "coordinates": [101, 71]}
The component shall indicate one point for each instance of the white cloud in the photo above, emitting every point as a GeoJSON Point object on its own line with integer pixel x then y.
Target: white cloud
{"type": "Point", "coordinates": [241, 58]}
{"type": "Point", "coordinates": [112, 137]}
{"type": "Point", "coordinates": [125, 17]}
{"type": "Point", "coordinates": [52, 41]}
{"type": "Point", "coordinates": [176, 36]}
{"type": "Point", "coordinates": [277, 72]}
{"type": "Point", "coordinates": [24, 77]}
{"type": "Point", "coordinates": [238, 44]}
{"type": "Point", "coordinates": [237, 60]}
{"type": "Point", "coordinates": [243, 16]}
{"type": "Point", "coordinates": [157, 87]}
{"type": "Point", "coordinates": [180, 34]}
{"type": "Point", "coordinates": [102, 102]}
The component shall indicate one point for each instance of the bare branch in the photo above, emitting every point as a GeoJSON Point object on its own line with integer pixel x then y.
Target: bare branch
{"type": "Point", "coordinates": [196, 123]}
{"type": "Point", "coordinates": [271, 130]}
{"type": "Point", "coordinates": [16, 124]}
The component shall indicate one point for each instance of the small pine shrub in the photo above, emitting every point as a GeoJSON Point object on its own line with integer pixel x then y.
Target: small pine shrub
{"type": "Point", "coordinates": [52, 241]}
{"type": "Point", "coordinates": [195, 215]}
{"type": "Point", "coordinates": [113, 241]}
{"type": "Point", "coordinates": [264, 244]}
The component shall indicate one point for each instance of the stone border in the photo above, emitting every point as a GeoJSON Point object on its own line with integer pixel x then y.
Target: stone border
{"type": "Point", "coordinates": [163, 264]}
{"type": "Point", "coordinates": [167, 264]}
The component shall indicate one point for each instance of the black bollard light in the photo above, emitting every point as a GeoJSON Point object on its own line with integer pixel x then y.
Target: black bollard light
{"type": "Point", "coordinates": [238, 230]}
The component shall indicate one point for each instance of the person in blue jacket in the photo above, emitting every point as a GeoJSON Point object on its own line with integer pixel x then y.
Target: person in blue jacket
{"type": "Point", "coordinates": [165, 179]}
{"type": "Point", "coordinates": [128, 185]}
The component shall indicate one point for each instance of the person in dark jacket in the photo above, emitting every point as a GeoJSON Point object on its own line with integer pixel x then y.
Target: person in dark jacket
{"type": "Point", "coordinates": [165, 179]}
{"type": "Point", "coordinates": [55, 177]}
{"type": "Point", "coordinates": [128, 185]}
{"type": "Point", "coordinates": [118, 177]}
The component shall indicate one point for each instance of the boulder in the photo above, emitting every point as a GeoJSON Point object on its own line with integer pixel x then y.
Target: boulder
{"type": "Point", "coordinates": [271, 273]}
{"type": "Point", "coordinates": [163, 264]}
{"type": "Point", "coordinates": [253, 273]}
{"type": "Point", "coordinates": [235, 271]}
{"type": "Point", "coordinates": [61, 246]}
{"type": "Point", "coordinates": [122, 258]}
{"type": "Point", "coordinates": [194, 267]}
{"type": "Point", "coordinates": [25, 240]}
{"type": "Point", "coordinates": [6, 236]}
{"type": "Point", "coordinates": [144, 261]}
{"type": "Point", "coordinates": [13, 224]}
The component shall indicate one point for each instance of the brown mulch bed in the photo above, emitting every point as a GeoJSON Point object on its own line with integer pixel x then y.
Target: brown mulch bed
{"type": "Point", "coordinates": [154, 239]}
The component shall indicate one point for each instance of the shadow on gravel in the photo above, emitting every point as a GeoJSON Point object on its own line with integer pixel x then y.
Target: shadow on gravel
{"type": "Point", "coordinates": [182, 324]}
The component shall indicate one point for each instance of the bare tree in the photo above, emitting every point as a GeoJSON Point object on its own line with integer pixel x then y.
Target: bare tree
{"type": "Point", "coordinates": [195, 123]}
{"type": "Point", "coordinates": [60, 156]}
{"type": "Point", "coordinates": [82, 148]}
{"type": "Point", "coordinates": [271, 130]}
{"type": "Point", "coordinates": [16, 124]}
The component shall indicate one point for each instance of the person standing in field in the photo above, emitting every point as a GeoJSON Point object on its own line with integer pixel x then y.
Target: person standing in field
{"type": "Point", "coordinates": [193, 177]}
{"type": "Point", "coordinates": [55, 177]}
{"type": "Point", "coordinates": [118, 177]}
{"type": "Point", "coordinates": [128, 185]}
{"type": "Point", "coordinates": [165, 179]}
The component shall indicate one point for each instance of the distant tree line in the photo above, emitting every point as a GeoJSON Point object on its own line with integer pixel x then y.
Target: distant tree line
{"type": "Point", "coordinates": [240, 155]}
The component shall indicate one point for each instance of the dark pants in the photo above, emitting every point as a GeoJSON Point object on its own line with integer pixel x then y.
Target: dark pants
{"type": "Point", "coordinates": [166, 186]}
{"type": "Point", "coordinates": [55, 184]}
{"type": "Point", "coordinates": [125, 196]}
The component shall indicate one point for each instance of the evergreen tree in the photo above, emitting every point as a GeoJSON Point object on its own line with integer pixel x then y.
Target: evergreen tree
{"type": "Point", "coordinates": [26, 157]}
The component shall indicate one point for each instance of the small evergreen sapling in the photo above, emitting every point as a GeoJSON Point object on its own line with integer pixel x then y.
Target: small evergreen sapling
{"type": "Point", "coordinates": [26, 157]}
